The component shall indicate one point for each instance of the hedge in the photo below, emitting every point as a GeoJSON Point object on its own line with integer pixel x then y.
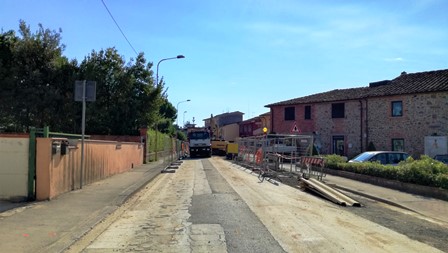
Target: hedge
{"type": "Point", "coordinates": [424, 171]}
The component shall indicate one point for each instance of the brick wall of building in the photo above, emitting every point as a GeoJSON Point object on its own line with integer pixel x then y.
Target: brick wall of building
{"type": "Point", "coordinates": [419, 101]}
{"type": "Point", "coordinates": [323, 126]}
{"type": "Point", "coordinates": [348, 127]}
{"type": "Point", "coordinates": [282, 126]}
{"type": "Point", "coordinates": [423, 115]}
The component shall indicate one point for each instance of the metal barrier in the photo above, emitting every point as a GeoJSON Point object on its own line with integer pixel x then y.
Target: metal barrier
{"type": "Point", "coordinates": [310, 166]}
{"type": "Point", "coordinates": [276, 156]}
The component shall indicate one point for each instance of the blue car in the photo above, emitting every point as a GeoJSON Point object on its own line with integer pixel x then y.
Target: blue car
{"type": "Point", "coordinates": [383, 157]}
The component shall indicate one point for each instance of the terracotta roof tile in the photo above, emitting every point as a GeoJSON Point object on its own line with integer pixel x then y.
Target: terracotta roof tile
{"type": "Point", "coordinates": [422, 82]}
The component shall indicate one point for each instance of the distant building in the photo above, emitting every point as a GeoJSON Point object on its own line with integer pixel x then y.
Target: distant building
{"type": "Point", "coordinates": [225, 126]}
{"type": "Point", "coordinates": [392, 115]}
{"type": "Point", "coordinates": [254, 126]}
{"type": "Point", "coordinates": [225, 119]}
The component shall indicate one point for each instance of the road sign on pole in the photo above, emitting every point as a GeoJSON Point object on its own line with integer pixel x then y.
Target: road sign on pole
{"type": "Point", "coordinates": [84, 91]}
{"type": "Point", "coordinates": [90, 92]}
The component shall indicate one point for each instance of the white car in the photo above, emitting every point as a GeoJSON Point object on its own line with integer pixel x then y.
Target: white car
{"type": "Point", "coordinates": [383, 157]}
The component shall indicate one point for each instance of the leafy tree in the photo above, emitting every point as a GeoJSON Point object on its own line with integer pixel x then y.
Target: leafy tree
{"type": "Point", "coordinates": [37, 83]}
{"type": "Point", "coordinates": [181, 136]}
{"type": "Point", "coordinates": [34, 78]}
{"type": "Point", "coordinates": [125, 96]}
{"type": "Point", "coordinates": [7, 41]}
{"type": "Point", "coordinates": [167, 113]}
{"type": "Point", "coordinates": [149, 95]}
{"type": "Point", "coordinates": [167, 110]}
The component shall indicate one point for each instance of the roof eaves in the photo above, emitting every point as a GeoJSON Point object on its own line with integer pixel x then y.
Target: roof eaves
{"type": "Point", "coordinates": [412, 83]}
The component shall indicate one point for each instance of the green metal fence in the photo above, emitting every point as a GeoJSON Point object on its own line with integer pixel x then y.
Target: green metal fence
{"type": "Point", "coordinates": [162, 148]}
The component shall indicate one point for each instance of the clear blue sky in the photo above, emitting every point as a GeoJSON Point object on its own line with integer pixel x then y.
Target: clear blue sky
{"type": "Point", "coordinates": [244, 54]}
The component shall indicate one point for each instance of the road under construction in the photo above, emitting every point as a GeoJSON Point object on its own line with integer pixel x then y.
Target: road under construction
{"type": "Point", "coordinates": [288, 157]}
{"type": "Point", "coordinates": [214, 205]}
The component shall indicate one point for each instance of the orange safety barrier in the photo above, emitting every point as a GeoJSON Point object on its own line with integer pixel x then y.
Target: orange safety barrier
{"type": "Point", "coordinates": [316, 161]}
{"type": "Point", "coordinates": [259, 156]}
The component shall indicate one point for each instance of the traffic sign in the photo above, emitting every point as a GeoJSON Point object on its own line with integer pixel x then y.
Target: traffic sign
{"type": "Point", "coordinates": [90, 91]}
{"type": "Point", "coordinates": [295, 129]}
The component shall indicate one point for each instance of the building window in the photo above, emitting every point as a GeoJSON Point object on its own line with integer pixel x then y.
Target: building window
{"type": "Point", "coordinates": [338, 110]}
{"type": "Point", "coordinates": [339, 145]}
{"type": "Point", "coordinates": [290, 113]}
{"type": "Point", "coordinates": [397, 109]}
{"type": "Point", "coordinates": [308, 112]}
{"type": "Point", "coordinates": [398, 145]}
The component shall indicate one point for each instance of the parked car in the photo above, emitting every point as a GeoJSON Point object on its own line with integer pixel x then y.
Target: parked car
{"type": "Point", "coordinates": [442, 158]}
{"type": "Point", "coordinates": [383, 157]}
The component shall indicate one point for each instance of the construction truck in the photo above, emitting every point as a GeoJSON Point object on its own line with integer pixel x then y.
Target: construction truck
{"type": "Point", "coordinates": [199, 142]}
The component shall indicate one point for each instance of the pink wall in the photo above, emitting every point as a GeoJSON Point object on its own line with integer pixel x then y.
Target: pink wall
{"type": "Point", "coordinates": [57, 173]}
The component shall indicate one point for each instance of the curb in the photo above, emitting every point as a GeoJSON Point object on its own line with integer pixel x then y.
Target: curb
{"type": "Point", "coordinates": [376, 198]}
{"type": "Point", "coordinates": [421, 190]}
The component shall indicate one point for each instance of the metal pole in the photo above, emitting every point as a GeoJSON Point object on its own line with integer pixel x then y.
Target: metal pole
{"type": "Point", "coordinates": [83, 126]}
{"type": "Point", "coordinates": [157, 84]}
{"type": "Point", "coordinates": [177, 110]}
{"type": "Point", "coordinates": [156, 142]}
{"type": "Point", "coordinates": [171, 58]}
{"type": "Point", "coordinates": [32, 164]}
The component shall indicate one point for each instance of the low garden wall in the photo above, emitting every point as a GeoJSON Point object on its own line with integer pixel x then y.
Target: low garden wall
{"type": "Point", "coordinates": [58, 163]}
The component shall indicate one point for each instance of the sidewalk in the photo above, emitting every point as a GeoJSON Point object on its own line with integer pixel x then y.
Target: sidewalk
{"type": "Point", "coordinates": [52, 226]}
{"type": "Point", "coordinates": [429, 207]}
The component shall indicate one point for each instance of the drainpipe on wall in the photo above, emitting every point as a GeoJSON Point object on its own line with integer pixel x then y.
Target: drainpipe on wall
{"type": "Point", "coordinates": [360, 125]}
{"type": "Point", "coordinates": [32, 164]}
{"type": "Point", "coordinates": [367, 122]}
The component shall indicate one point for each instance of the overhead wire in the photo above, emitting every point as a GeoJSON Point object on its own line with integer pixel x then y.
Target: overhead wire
{"type": "Point", "coordinates": [116, 23]}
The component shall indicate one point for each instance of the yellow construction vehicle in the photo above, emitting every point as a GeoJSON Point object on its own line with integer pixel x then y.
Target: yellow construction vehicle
{"type": "Point", "coordinates": [218, 144]}
{"type": "Point", "coordinates": [231, 150]}
{"type": "Point", "coordinates": [219, 147]}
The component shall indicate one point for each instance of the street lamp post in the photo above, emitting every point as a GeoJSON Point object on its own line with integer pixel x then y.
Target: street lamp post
{"type": "Point", "coordinates": [183, 122]}
{"type": "Point", "coordinates": [157, 84]}
{"type": "Point", "coordinates": [177, 110]}
{"type": "Point", "coordinates": [171, 58]}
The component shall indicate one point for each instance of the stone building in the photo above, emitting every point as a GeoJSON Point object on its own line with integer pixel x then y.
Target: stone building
{"type": "Point", "coordinates": [392, 115]}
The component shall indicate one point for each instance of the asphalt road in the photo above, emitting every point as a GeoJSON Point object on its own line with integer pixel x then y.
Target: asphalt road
{"type": "Point", "coordinates": [210, 205]}
{"type": "Point", "coordinates": [404, 222]}
{"type": "Point", "coordinates": [243, 230]}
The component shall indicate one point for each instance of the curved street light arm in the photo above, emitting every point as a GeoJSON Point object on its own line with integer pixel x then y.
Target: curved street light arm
{"type": "Point", "coordinates": [171, 58]}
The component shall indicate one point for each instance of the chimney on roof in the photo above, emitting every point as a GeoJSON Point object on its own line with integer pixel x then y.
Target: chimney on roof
{"type": "Point", "coordinates": [379, 83]}
{"type": "Point", "coordinates": [403, 73]}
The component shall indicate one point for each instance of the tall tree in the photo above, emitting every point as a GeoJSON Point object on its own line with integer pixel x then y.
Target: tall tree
{"type": "Point", "coordinates": [126, 97]}
{"type": "Point", "coordinates": [34, 84]}
{"type": "Point", "coordinates": [7, 41]}
{"type": "Point", "coordinates": [167, 114]}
